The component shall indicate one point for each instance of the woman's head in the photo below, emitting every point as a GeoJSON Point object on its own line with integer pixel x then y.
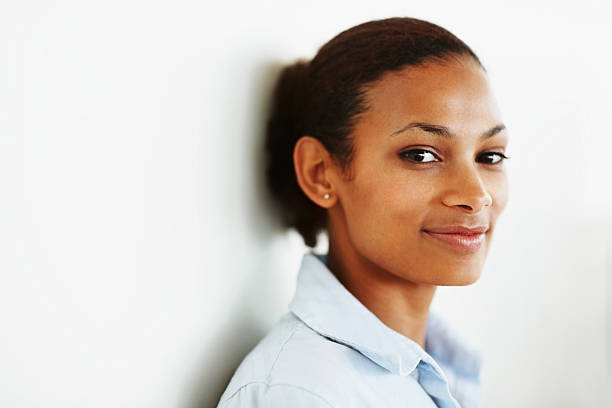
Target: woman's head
{"type": "Point", "coordinates": [359, 121]}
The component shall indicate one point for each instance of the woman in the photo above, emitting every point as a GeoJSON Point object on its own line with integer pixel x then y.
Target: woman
{"type": "Point", "coordinates": [390, 141]}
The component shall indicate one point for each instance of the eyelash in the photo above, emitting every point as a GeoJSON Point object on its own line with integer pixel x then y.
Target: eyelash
{"type": "Point", "coordinates": [404, 157]}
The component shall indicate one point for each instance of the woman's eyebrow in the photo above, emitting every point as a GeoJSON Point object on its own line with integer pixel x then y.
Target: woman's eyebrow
{"type": "Point", "coordinates": [443, 130]}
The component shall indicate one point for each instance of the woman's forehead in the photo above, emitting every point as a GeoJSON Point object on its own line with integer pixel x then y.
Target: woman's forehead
{"type": "Point", "coordinates": [454, 95]}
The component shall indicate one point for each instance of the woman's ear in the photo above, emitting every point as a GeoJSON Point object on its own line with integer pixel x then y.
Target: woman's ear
{"type": "Point", "coordinates": [313, 168]}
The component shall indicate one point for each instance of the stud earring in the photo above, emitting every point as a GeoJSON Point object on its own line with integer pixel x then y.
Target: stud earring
{"type": "Point", "coordinates": [326, 196]}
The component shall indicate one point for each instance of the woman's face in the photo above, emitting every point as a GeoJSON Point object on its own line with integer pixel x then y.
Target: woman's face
{"type": "Point", "coordinates": [427, 157]}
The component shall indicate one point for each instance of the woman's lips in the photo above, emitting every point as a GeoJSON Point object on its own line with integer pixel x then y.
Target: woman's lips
{"type": "Point", "coordinates": [462, 241]}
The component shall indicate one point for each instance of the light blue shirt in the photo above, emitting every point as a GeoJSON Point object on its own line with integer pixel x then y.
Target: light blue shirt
{"type": "Point", "coordinates": [331, 351]}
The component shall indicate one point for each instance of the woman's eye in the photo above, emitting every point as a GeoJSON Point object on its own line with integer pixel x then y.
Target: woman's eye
{"type": "Point", "coordinates": [493, 157]}
{"type": "Point", "coordinates": [418, 156]}
{"type": "Point", "coordinates": [425, 156]}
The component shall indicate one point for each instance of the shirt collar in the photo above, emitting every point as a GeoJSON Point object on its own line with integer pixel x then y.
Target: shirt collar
{"type": "Point", "coordinates": [326, 306]}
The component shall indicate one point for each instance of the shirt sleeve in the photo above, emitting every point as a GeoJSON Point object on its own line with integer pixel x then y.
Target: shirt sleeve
{"type": "Point", "coordinates": [261, 395]}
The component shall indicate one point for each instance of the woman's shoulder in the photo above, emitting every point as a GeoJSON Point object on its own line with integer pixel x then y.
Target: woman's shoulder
{"type": "Point", "coordinates": [292, 355]}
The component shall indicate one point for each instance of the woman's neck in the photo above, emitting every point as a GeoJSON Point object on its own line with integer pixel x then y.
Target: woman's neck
{"type": "Point", "coordinates": [400, 304]}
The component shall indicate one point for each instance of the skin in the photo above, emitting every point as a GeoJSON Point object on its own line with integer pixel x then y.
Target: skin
{"type": "Point", "coordinates": [377, 212]}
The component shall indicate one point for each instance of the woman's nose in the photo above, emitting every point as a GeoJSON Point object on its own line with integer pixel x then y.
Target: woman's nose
{"type": "Point", "coordinates": [467, 190]}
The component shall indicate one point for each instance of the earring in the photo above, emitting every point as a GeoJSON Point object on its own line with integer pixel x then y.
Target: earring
{"type": "Point", "coordinates": [326, 196]}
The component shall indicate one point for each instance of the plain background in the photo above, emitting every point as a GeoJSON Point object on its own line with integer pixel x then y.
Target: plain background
{"type": "Point", "coordinates": [139, 255]}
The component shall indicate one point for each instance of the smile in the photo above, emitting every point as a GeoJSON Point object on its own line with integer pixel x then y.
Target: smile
{"type": "Point", "coordinates": [466, 242]}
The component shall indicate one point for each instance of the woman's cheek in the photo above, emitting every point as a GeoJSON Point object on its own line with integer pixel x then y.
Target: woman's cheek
{"type": "Point", "coordinates": [500, 193]}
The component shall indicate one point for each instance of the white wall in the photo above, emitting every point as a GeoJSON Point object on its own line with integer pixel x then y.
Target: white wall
{"type": "Point", "coordinates": [139, 260]}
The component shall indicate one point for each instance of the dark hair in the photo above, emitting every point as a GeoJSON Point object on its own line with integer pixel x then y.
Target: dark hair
{"type": "Point", "coordinates": [323, 98]}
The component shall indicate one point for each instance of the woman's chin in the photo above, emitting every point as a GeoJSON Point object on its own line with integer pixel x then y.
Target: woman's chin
{"type": "Point", "coordinates": [458, 279]}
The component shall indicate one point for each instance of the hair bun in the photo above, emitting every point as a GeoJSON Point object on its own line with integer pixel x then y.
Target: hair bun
{"type": "Point", "coordinates": [285, 126]}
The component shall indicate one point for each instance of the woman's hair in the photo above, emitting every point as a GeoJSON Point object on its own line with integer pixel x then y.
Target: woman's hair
{"type": "Point", "coordinates": [323, 98]}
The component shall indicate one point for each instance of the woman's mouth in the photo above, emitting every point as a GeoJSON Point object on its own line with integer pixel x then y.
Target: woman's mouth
{"type": "Point", "coordinates": [463, 241]}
